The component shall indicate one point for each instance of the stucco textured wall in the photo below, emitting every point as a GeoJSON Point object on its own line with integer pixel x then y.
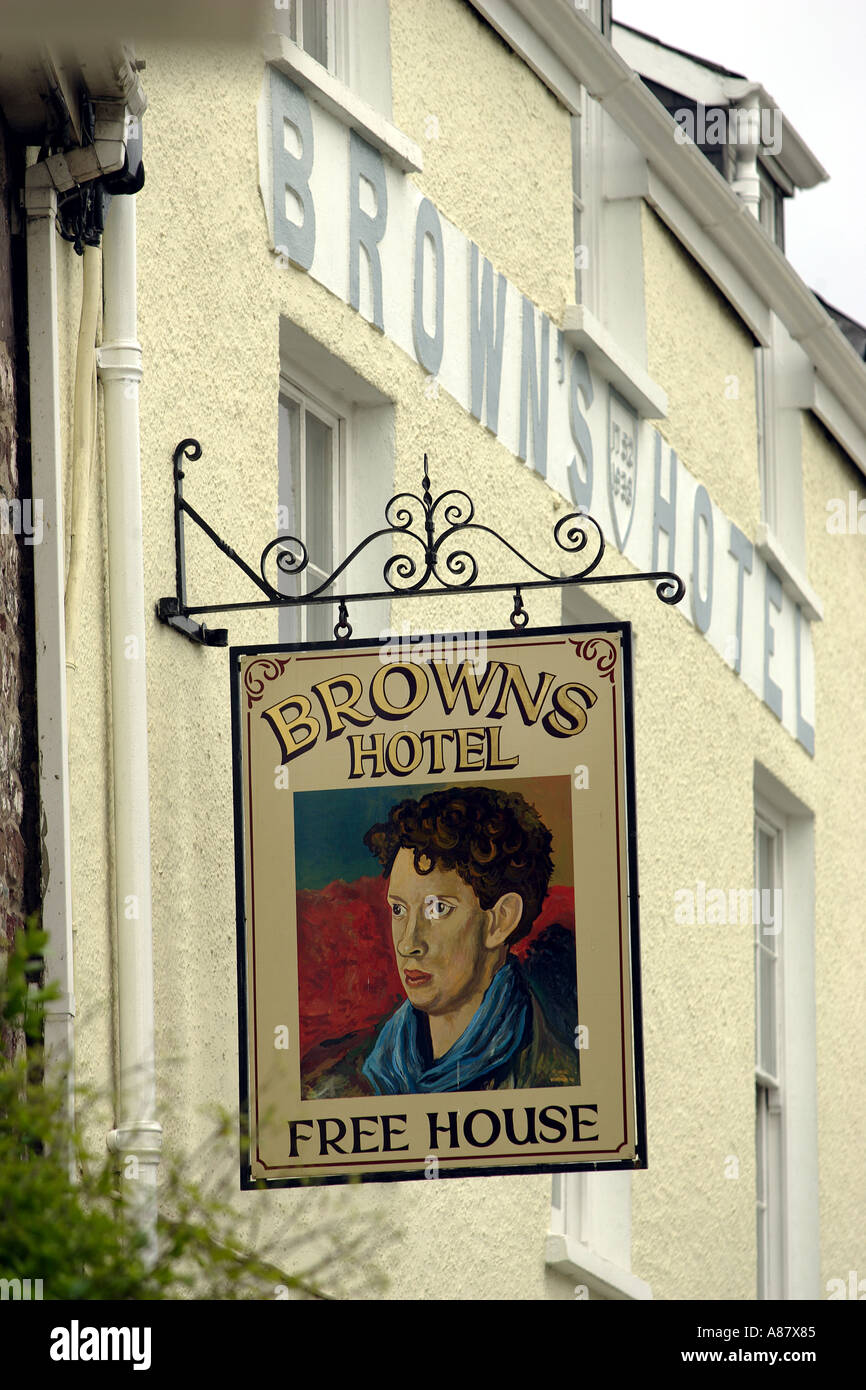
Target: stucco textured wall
{"type": "Point", "coordinates": [497, 151]}
{"type": "Point", "coordinates": [703, 354]}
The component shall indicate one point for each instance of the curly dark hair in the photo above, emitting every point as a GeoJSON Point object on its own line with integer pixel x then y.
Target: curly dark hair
{"type": "Point", "coordinates": [495, 840]}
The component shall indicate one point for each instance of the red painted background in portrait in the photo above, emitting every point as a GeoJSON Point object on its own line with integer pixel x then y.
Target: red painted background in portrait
{"type": "Point", "coordinates": [347, 976]}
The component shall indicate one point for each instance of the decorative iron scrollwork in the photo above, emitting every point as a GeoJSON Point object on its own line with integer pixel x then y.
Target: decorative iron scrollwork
{"type": "Point", "coordinates": [433, 568]}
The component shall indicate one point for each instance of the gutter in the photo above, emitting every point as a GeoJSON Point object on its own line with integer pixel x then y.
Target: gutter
{"type": "Point", "coordinates": [706, 83]}
{"type": "Point", "coordinates": [114, 125]}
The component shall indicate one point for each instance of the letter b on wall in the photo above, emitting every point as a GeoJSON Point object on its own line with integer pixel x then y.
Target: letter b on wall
{"type": "Point", "coordinates": [292, 126]}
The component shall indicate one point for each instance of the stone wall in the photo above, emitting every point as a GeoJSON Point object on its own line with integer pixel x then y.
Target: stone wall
{"type": "Point", "coordinates": [19, 885]}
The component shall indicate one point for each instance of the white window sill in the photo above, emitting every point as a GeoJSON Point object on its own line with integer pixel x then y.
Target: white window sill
{"type": "Point", "coordinates": [603, 1279]}
{"type": "Point", "coordinates": [342, 102]}
{"type": "Point", "coordinates": [584, 331]}
{"type": "Point", "coordinates": [794, 583]}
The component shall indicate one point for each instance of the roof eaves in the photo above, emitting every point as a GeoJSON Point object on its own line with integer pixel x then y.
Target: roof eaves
{"type": "Point", "coordinates": [684, 53]}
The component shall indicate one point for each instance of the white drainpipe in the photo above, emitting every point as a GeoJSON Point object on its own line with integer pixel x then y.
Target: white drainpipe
{"type": "Point", "coordinates": [138, 1135]}
{"type": "Point", "coordinates": [40, 200]}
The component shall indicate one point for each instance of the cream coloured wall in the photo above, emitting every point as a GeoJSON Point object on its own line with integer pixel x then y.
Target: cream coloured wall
{"type": "Point", "coordinates": [211, 297]}
{"type": "Point", "coordinates": [697, 343]}
{"type": "Point", "coordinates": [499, 160]}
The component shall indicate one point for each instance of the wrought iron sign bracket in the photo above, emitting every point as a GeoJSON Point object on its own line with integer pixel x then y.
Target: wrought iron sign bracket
{"type": "Point", "coordinates": [453, 570]}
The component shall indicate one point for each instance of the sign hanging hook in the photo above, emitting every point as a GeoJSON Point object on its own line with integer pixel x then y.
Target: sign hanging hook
{"type": "Point", "coordinates": [519, 615]}
{"type": "Point", "coordinates": [343, 628]}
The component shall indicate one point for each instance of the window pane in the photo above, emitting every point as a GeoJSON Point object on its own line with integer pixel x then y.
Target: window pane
{"type": "Point", "coordinates": [290, 455]}
{"type": "Point", "coordinates": [285, 19]}
{"type": "Point", "coordinates": [576, 137]}
{"type": "Point", "coordinates": [577, 191]}
{"type": "Point", "coordinates": [289, 445]}
{"type": "Point", "coordinates": [769, 1166]}
{"type": "Point", "coordinates": [578, 254]}
{"type": "Point", "coordinates": [320, 495]}
{"type": "Point", "coordinates": [761, 1145]}
{"type": "Point", "coordinates": [767, 206]}
{"type": "Point", "coordinates": [766, 861]}
{"type": "Point", "coordinates": [767, 1011]}
{"type": "Point", "coordinates": [761, 1194]}
{"type": "Point", "coordinates": [320, 623]}
{"type": "Point", "coordinates": [761, 419]}
{"type": "Point", "coordinates": [765, 955]}
{"type": "Point", "coordinates": [321, 617]}
{"type": "Point", "coordinates": [316, 30]}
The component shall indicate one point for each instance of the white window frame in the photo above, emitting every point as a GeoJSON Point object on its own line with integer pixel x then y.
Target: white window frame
{"type": "Point", "coordinates": [769, 1086]}
{"type": "Point", "coordinates": [591, 177]}
{"type": "Point", "coordinates": [295, 623]}
{"type": "Point", "coordinates": [602, 322]}
{"type": "Point", "coordinates": [771, 209]}
{"type": "Point", "coordinates": [791, 1096]}
{"type": "Point", "coordinates": [598, 11]}
{"type": "Point", "coordinates": [354, 83]}
{"type": "Point", "coordinates": [781, 535]}
{"type": "Point", "coordinates": [336, 36]}
{"type": "Point", "coordinates": [590, 1235]}
{"type": "Point", "coordinates": [765, 411]}
{"type": "Point", "coordinates": [586, 197]}
{"type": "Point", "coordinates": [776, 189]}
{"type": "Point", "coordinates": [366, 470]}
{"type": "Point", "coordinates": [579, 213]}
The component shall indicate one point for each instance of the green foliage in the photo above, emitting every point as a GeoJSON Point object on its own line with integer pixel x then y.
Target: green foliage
{"type": "Point", "coordinates": [63, 1214]}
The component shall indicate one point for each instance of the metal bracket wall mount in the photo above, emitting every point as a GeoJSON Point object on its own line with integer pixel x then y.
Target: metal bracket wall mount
{"type": "Point", "coordinates": [435, 568]}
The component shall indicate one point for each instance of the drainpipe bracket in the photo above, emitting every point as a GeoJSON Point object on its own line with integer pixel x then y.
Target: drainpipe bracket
{"type": "Point", "coordinates": [143, 1139]}
{"type": "Point", "coordinates": [63, 1007]}
{"type": "Point", "coordinates": [120, 361]}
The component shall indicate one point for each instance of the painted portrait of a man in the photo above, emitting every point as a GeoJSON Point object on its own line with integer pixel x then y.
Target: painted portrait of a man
{"type": "Point", "coordinates": [466, 871]}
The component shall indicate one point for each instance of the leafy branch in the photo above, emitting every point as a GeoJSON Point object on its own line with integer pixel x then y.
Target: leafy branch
{"type": "Point", "coordinates": [78, 1236]}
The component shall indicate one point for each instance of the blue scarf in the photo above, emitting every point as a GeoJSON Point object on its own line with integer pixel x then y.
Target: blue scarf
{"type": "Point", "coordinates": [397, 1064]}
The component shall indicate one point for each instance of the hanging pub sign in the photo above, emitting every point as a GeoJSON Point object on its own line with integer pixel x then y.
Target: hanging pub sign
{"type": "Point", "coordinates": [437, 906]}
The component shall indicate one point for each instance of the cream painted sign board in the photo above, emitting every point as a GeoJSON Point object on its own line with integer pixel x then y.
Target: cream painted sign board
{"type": "Point", "coordinates": [437, 908]}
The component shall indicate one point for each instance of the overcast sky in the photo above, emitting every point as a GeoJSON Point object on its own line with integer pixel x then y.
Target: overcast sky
{"type": "Point", "coordinates": [810, 58]}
